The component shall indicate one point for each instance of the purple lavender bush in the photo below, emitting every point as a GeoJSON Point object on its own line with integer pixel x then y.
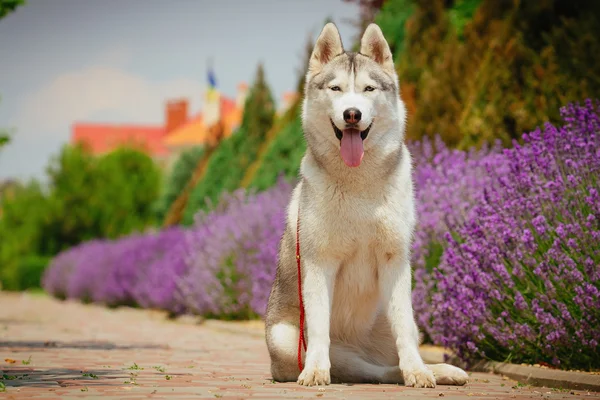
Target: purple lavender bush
{"type": "Point", "coordinates": [234, 254]}
{"type": "Point", "coordinates": [506, 253]}
{"type": "Point", "coordinates": [222, 266]}
{"type": "Point", "coordinates": [448, 183]}
{"type": "Point", "coordinates": [135, 270]}
{"type": "Point", "coordinates": [520, 278]}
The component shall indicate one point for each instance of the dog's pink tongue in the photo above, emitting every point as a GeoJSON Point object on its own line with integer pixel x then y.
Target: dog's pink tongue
{"type": "Point", "coordinates": [352, 150]}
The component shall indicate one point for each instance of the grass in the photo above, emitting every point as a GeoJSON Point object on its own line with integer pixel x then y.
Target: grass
{"type": "Point", "coordinates": [135, 367]}
{"type": "Point", "coordinates": [36, 292]}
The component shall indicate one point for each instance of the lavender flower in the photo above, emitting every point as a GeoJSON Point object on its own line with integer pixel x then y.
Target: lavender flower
{"type": "Point", "coordinates": [525, 267]}
{"type": "Point", "coordinates": [222, 266]}
{"type": "Point", "coordinates": [234, 254]}
{"type": "Point", "coordinates": [506, 255]}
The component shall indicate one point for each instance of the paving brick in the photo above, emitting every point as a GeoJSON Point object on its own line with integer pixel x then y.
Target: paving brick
{"type": "Point", "coordinates": [78, 351]}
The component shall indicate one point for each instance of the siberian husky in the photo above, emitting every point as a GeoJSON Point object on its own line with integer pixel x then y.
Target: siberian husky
{"type": "Point", "coordinates": [354, 208]}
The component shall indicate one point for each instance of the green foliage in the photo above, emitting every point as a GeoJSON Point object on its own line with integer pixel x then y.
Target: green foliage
{"type": "Point", "coordinates": [27, 274]}
{"type": "Point", "coordinates": [8, 6]}
{"type": "Point", "coordinates": [477, 71]}
{"type": "Point", "coordinates": [228, 163]}
{"type": "Point", "coordinates": [4, 133]}
{"type": "Point", "coordinates": [86, 198]}
{"type": "Point", "coordinates": [284, 153]}
{"type": "Point", "coordinates": [283, 156]}
{"type": "Point", "coordinates": [182, 171]}
{"type": "Point", "coordinates": [461, 13]}
{"type": "Point", "coordinates": [105, 197]}
{"type": "Point", "coordinates": [23, 215]}
{"type": "Point", "coordinates": [392, 20]}
{"type": "Point", "coordinates": [259, 108]}
{"type": "Point", "coordinates": [129, 185]}
{"type": "Point", "coordinates": [74, 184]}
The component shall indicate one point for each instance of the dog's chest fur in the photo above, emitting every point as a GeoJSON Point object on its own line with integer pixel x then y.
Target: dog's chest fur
{"type": "Point", "coordinates": [364, 231]}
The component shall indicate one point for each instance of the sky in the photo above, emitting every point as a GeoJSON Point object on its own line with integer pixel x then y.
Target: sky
{"type": "Point", "coordinates": [118, 61]}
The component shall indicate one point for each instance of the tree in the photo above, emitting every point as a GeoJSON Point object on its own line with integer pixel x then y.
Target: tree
{"type": "Point", "coordinates": [176, 182]}
{"type": "Point", "coordinates": [227, 165]}
{"type": "Point", "coordinates": [106, 197]}
{"type": "Point", "coordinates": [132, 181]}
{"type": "Point", "coordinates": [86, 197]}
{"type": "Point", "coordinates": [285, 151]}
{"type": "Point", "coordinates": [24, 209]}
{"type": "Point", "coordinates": [4, 134]}
{"type": "Point", "coordinates": [8, 6]}
{"type": "Point", "coordinates": [259, 110]}
{"type": "Point", "coordinates": [368, 9]}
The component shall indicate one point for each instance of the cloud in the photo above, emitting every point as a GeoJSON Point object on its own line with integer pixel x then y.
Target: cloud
{"type": "Point", "coordinates": [43, 118]}
{"type": "Point", "coordinates": [85, 94]}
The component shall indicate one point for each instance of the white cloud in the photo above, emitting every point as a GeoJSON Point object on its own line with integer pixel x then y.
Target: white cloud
{"type": "Point", "coordinates": [43, 118]}
{"type": "Point", "coordinates": [80, 95]}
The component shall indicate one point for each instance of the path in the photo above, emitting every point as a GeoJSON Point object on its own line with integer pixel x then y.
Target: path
{"type": "Point", "coordinates": [51, 349]}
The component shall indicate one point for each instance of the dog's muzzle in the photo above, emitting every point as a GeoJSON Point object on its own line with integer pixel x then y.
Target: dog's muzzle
{"type": "Point", "coordinates": [340, 134]}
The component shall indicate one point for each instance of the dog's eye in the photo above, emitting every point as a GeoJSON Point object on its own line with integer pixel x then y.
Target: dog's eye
{"type": "Point", "coordinates": [369, 89]}
{"type": "Point", "coordinates": [335, 88]}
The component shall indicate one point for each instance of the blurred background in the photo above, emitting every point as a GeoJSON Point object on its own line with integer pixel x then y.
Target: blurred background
{"type": "Point", "coordinates": [150, 145]}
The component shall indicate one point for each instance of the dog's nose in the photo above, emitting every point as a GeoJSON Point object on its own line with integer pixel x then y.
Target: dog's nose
{"type": "Point", "coordinates": [352, 115]}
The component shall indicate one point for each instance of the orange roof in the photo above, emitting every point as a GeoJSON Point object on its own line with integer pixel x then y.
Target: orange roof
{"type": "Point", "coordinates": [192, 133]}
{"type": "Point", "coordinates": [227, 105]}
{"type": "Point", "coordinates": [231, 116]}
{"type": "Point", "coordinates": [232, 120]}
{"type": "Point", "coordinates": [102, 138]}
{"type": "Point", "coordinates": [195, 132]}
{"type": "Point", "coordinates": [157, 141]}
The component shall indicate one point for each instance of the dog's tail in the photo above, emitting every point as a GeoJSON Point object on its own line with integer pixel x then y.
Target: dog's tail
{"type": "Point", "coordinates": [446, 374]}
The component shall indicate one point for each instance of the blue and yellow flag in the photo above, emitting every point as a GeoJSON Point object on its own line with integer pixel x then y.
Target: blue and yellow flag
{"type": "Point", "coordinates": [212, 92]}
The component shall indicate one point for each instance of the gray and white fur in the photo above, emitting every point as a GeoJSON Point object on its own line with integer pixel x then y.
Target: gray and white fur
{"type": "Point", "coordinates": [357, 217]}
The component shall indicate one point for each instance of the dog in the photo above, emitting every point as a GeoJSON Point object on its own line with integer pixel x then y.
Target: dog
{"type": "Point", "coordinates": [354, 213]}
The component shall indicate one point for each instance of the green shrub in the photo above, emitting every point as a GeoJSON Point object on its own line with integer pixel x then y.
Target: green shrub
{"type": "Point", "coordinates": [392, 20]}
{"type": "Point", "coordinates": [283, 156]}
{"type": "Point", "coordinates": [106, 197]}
{"type": "Point", "coordinates": [476, 71]}
{"type": "Point", "coordinates": [461, 13]}
{"type": "Point", "coordinates": [174, 184]}
{"type": "Point", "coordinates": [131, 185]}
{"type": "Point", "coordinates": [27, 274]}
{"type": "Point", "coordinates": [234, 155]}
{"type": "Point", "coordinates": [24, 214]}
{"type": "Point", "coordinates": [86, 198]}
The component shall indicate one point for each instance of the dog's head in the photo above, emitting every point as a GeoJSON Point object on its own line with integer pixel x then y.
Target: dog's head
{"type": "Point", "coordinates": [352, 99]}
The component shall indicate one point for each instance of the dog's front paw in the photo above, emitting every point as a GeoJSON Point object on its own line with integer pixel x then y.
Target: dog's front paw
{"type": "Point", "coordinates": [421, 378]}
{"type": "Point", "coordinates": [317, 367]}
{"type": "Point", "coordinates": [314, 376]}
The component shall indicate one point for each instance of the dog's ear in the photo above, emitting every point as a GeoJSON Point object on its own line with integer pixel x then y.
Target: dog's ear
{"type": "Point", "coordinates": [327, 46]}
{"type": "Point", "coordinates": [374, 46]}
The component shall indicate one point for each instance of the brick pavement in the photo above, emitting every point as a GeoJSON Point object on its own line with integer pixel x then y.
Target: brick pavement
{"type": "Point", "coordinates": [51, 349]}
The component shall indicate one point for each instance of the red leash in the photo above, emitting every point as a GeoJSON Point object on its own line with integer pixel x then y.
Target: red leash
{"type": "Point", "coordinates": [301, 340]}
